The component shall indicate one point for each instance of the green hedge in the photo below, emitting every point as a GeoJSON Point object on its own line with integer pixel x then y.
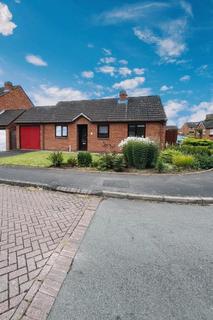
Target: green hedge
{"type": "Point", "coordinates": [198, 142]}
{"type": "Point", "coordinates": [84, 159]}
{"type": "Point", "coordinates": [140, 155]}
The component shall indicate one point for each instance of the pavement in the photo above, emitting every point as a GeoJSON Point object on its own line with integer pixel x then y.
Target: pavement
{"type": "Point", "coordinates": [140, 260]}
{"type": "Point", "coordinates": [11, 153]}
{"type": "Point", "coordinates": [177, 185]}
{"type": "Point", "coordinates": [40, 232]}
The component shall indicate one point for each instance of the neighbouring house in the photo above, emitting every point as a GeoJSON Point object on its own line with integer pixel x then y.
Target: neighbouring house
{"type": "Point", "coordinates": [93, 125]}
{"type": "Point", "coordinates": [13, 102]}
{"type": "Point", "coordinates": [201, 129]}
{"type": "Point", "coordinates": [171, 134]}
{"type": "Point", "coordinates": [208, 124]}
{"type": "Point", "coordinates": [188, 128]}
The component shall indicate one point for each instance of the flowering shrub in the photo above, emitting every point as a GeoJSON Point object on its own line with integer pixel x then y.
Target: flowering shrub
{"type": "Point", "coordinates": [139, 152]}
{"type": "Point", "coordinates": [134, 139]}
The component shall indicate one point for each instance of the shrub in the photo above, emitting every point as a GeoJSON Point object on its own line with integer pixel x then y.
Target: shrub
{"type": "Point", "coordinates": [183, 161]}
{"type": "Point", "coordinates": [128, 153]}
{"type": "Point", "coordinates": [168, 154]}
{"type": "Point", "coordinates": [198, 142]}
{"type": "Point", "coordinates": [56, 159]}
{"type": "Point", "coordinates": [189, 149]}
{"type": "Point", "coordinates": [160, 165]}
{"type": "Point", "coordinates": [84, 159]}
{"type": "Point", "coordinates": [72, 161]}
{"type": "Point", "coordinates": [152, 155]}
{"type": "Point", "coordinates": [205, 161]}
{"type": "Point", "coordinates": [106, 162]}
{"type": "Point", "coordinates": [95, 163]}
{"type": "Point", "coordinates": [118, 163]}
{"type": "Point", "coordinates": [140, 153]}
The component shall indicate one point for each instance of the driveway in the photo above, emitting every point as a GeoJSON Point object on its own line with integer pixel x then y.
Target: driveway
{"type": "Point", "coordinates": [33, 226]}
{"type": "Point", "coordinates": [198, 184]}
{"type": "Point", "coordinates": [142, 261]}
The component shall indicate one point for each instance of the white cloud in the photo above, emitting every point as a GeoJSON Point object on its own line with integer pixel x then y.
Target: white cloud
{"type": "Point", "coordinates": [108, 60]}
{"type": "Point", "coordinates": [90, 45]}
{"type": "Point", "coordinates": [166, 88]}
{"type": "Point", "coordinates": [107, 52]}
{"type": "Point", "coordinates": [185, 78]}
{"type": "Point", "coordinates": [198, 112]}
{"type": "Point", "coordinates": [130, 12]}
{"type": "Point", "coordinates": [107, 70]}
{"type": "Point", "coordinates": [139, 71]}
{"type": "Point", "coordinates": [186, 7]}
{"type": "Point", "coordinates": [50, 95]}
{"type": "Point", "coordinates": [140, 92]}
{"type": "Point", "coordinates": [87, 74]}
{"type": "Point", "coordinates": [173, 107]}
{"type": "Point", "coordinates": [171, 45]}
{"type": "Point", "coordinates": [124, 71]}
{"type": "Point", "coordinates": [123, 61]}
{"type": "Point", "coordinates": [129, 83]}
{"type": "Point", "coordinates": [6, 25]}
{"type": "Point", "coordinates": [36, 60]}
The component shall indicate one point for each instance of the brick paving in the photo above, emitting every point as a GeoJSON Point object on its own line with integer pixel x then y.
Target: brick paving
{"type": "Point", "coordinates": [40, 232]}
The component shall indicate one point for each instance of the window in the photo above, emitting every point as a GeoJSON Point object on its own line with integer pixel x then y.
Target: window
{"type": "Point", "coordinates": [136, 130]}
{"type": "Point", "coordinates": [211, 132]}
{"type": "Point", "coordinates": [103, 131]}
{"type": "Point", "coordinates": [61, 131]}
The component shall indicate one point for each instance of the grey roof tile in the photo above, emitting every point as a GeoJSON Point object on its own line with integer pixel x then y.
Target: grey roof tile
{"type": "Point", "coordinates": [8, 116]}
{"type": "Point", "coordinates": [103, 110]}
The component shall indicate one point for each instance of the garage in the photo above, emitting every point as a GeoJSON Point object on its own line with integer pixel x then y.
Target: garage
{"type": "Point", "coordinates": [30, 137]}
{"type": "Point", "coordinates": [2, 140]}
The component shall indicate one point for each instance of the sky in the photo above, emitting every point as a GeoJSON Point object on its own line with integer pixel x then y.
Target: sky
{"type": "Point", "coordinates": [75, 49]}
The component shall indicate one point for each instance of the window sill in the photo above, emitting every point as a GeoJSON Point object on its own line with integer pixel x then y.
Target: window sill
{"type": "Point", "coordinates": [61, 137]}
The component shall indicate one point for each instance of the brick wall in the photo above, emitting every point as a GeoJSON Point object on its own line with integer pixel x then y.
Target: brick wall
{"type": "Point", "coordinates": [15, 99]}
{"type": "Point", "coordinates": [117, 132]}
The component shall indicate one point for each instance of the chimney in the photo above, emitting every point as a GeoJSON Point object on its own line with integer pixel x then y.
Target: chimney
{"type": "Point", "coordinates": [8, 86]}
{"type": "Point", "coordinates": [123, 95]}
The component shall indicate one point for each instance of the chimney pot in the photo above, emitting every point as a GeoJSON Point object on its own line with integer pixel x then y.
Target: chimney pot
{"type": "Point", "coordinates": [123, 95]}
{"type": "Point", "coordinates": [8, 86]}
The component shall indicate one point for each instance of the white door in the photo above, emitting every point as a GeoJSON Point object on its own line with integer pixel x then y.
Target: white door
{"type": "Point", "coordinates": [2, 140]}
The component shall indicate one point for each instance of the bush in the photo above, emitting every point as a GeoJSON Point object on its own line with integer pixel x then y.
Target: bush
{"type": "Point", "coordinates": [118, 163]}
{"type": "Point", "coordinates": [106, 162]}
{"type": "Point", "coordinates": [84, 159]}
{"type": "Point", "coordinates": [205, 161]}
{"type": "Point", "coordinates": [189, 149]}
{"type": "Point", "coordinates": [198, 142]}
{"type": "Point", "coordinates": [128, 153]}
{"type": "Point", "coordinates": [56, 159]}
{"type": "Point", "coordinates": [168, 154]}
{"type": "Point", "coordinates": [140, 153]}
{"type": "Point", "coordinates": [152, 155]}
{"type": "Point", "coordinates": [160, 165]}
{"type": "Point", "coordinates": [95, 163]}
{"type": "Point", "coordinates": [72, 161]}
{"type": "Point", "coordinates": [183, 161]}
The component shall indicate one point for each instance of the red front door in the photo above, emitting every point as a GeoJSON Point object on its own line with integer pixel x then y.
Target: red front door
{"type": "Point", "coordinates": [30, 137]}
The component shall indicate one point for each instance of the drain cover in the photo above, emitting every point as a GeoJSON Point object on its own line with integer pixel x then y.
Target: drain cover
{"type": "Point", "coordinates": [116, 183]}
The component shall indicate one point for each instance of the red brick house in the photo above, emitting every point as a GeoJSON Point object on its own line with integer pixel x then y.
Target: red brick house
{"type": "Point", "coordinates": [13, 102]}
{"type": "Point", "coordinates": [93, 125]}
{"type": "Point", "coordinates": [201, 129]}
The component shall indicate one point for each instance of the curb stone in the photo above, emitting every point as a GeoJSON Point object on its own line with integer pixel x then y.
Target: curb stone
{"type": "Point", "coordinates": [112, 194]}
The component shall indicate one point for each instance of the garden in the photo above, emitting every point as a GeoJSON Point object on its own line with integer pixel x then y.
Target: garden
{"type": "Point", "coordinates": [136, 155]}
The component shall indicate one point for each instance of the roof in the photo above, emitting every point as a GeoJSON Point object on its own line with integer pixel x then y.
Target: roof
{"type": "Point", "coordinates": [3, 91]}
{"type": "Point", "coordinates": [147, 108]}
{"type": "Point", "coordinates": [208, 124]}
{"type": "Point", "coordinates": [8, 116]}
{"type": "Point", "coordinates": [171, 128]}
{"type": "Point", "coordinates": [192, 124]}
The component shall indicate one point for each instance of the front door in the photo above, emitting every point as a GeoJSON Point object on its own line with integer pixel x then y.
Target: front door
{"type": "Point", "coordinates": [82, 137]}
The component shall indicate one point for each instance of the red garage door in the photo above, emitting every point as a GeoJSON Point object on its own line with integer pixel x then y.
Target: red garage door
{"type": "Point", "coordinates": [30, 137]}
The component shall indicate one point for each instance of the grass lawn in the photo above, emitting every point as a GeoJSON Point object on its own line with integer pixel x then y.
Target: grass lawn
{"type": "Point", "coordinates": [36, 159]}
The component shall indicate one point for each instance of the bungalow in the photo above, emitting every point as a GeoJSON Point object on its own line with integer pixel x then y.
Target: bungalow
{"type": "Point", "coordinates": [13, 102]}
{"type": "Point", "coordinates": [93, 125]}
{"type": "Point", "coordinates": [208, 126]}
